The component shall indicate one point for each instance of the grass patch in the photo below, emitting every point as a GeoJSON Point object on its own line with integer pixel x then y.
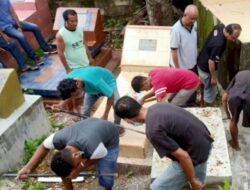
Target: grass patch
{"type": "Point", "coordinates": [30, 146]}
{"type": "Point", "coordinates": [33, 185]}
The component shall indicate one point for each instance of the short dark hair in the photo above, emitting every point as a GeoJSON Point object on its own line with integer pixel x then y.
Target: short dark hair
{"type": "Point", "coordinates": [68, 12]}
{"type": "Point", "coordinates": [66, 87]}
{"type": "Point", "coordinates": [127, 107]}
{"type": "Point", "coordinates": [232, 27]}
{"type": "Point", "coordinates": [137, 83]}
{"type": "Point", "coordinates": [62, 163]}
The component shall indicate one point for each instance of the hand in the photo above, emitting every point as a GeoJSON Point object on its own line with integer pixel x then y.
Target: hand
{"type": "Point", "coordinates": [22, 174]}
{"type": "Point", "coordinates": [19, 29]}
{"type": "Point", "coordinates": [6, 38]}
{"type": "Point", "coordinates": [55, 107]}
{"type": "Point", "coordinates": [196, 185]}
{"type": "Point", "coordinates": [74, 174]}
{"type": "Point", "coordinates": [213, 81]}
{"type": "Point", "coordinates": [104, 117]}
{"type": "Point", "coordinates": [141, 101]}
{"type": "Point", "coordinates": [68, 70]}
{"type": "Point", "coordinates": [93, 62]}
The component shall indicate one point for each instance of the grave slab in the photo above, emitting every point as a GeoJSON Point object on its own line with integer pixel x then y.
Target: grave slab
{"type": "Point", "coordinates": [28, 121]}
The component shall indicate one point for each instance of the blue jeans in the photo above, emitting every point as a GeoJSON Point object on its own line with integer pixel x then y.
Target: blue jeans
{"type": "Point", "coordinates": [108, 165]}
{"type": "Point", "coordinates": [90, 100]}
{"type": "Point", "coordinates": [12, 47]}
{"type": "Point", "coordinates": [210, 91]}
{"type": "Point", "coordinates": [174, 178]}
{"type": "Point", "coordinates": [27, 27]}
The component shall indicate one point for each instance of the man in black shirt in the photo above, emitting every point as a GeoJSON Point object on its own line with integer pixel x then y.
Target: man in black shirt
{"type": "Point", "coordinates": [235, 99]}
{"type": "Point", "coordinates": [174, 133]}
{"type": "Point", "coordinates": [210, 56]}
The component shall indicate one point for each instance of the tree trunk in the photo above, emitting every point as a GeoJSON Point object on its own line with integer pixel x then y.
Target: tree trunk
{"type": "Point", "coordinates": [160, 12]}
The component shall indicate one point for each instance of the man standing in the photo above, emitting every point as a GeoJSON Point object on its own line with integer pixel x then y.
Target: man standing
{"type": "Point", "coordinates": [174, 133]}
{"type": "Point", "coordinates": [12, 47]}
{"type": "Point", "coordinates": [183, 41]}
{"type": "Point", "coordinates": [210, 57]}
{"type": "Point", "coordinates": [235, 99]}
{"type": "Point", "coordinates": [10, 25]}
{"type": "Point", "coordinates": [87, 142]}
{"type": "Point", "coordinates": [94, 82]}
{"type": "Point", "coordinates": [169, 85]}
{"type": "Point", "coordinates": [70, 42]}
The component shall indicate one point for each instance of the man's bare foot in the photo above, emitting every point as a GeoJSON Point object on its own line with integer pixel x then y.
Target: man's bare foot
{"type": "Point", "coordinates": [234, 145]}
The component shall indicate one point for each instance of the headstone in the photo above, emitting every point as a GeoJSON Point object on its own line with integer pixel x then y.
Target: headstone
{"type": "Point", "coordinates": [146, 46]}
{"type": "Point", "coordinates": [11, 96]}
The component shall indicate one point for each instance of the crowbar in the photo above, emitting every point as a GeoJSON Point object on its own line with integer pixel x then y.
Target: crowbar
{"type": "Point", "coordinates": [53, 178]}
{"type": "Point", "coordinates": [82, 174]}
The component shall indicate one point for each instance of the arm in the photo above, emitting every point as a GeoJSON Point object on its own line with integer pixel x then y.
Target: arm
{"type": "Point", "coordinates": [224, 103]}
{"type": "Point", "coordinates": [146, 97]}
{"type": "Point", "coordinates": [211, 65]}
{"type": "Point", "coordinates": [60, 49]}
{"type": "Point", "coordinates": [15, 17]}
{"type": "Point", "coordinates": [91, 59]}
{"type": "Point", "coordinates": [4, 36]}
{"type": "Point", "coordinates": [175, 58]}
{"type": "Point", "coordinates": [40, 153]}
{"type": "Point", "coordinates": [108, 106]}
{"type": "Point", "coordinates": [85, 165]}
{"type": "Point", "coordinates": [188, 168]}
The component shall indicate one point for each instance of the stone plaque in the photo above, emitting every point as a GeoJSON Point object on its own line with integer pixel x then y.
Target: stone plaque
{"type": "Point", "coordinates": [147, 44]}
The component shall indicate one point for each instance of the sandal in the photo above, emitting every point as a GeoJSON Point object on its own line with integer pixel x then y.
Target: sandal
{"type": "Point", "coordinates": [30, 68]}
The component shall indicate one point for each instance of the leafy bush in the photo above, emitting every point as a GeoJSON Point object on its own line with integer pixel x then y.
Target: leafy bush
{"type": "Point", "coordinates": [33, 185]}
{"type": "Point", "coordinates": [226, 185]}
{"type": "Point", "coordinates": [30, 146]}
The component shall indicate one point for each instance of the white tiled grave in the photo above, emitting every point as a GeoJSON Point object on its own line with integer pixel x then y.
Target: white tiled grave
{"type": "Point", "coordinates": [218, 163]}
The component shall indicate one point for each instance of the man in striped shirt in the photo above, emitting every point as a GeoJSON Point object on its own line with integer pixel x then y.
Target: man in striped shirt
{"type": "Point", "coordinates": [167, 85]}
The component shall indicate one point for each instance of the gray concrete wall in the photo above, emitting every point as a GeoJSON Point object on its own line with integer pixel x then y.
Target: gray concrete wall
{"type": "Point", "coordinates": [28, 121]}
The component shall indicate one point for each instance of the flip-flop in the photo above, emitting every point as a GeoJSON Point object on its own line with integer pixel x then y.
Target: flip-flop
{"type": "Point", "coordinates": [30, 68]}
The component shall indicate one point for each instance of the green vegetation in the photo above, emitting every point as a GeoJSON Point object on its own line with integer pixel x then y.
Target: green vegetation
{"type": "Point", "coordinates": [54, 123]}
{"type": "Point", "coordinates": [33, 185]}
{"type": "Point", "coordinates": [226, 185]}
{"type": "Point", "coordinates": [129, 174]}
{"type": "Point", "coordinates": [30, 146]}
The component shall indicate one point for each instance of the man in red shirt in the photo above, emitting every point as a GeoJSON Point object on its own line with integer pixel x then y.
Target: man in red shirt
{"type": "Point", "coordinates": [168, 85]}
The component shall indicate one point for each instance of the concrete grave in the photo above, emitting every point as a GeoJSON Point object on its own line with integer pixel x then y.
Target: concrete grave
{"type": "Point", "coordinates": [218, 163]}
{"type": "Point", "coordinates": [11, 96]}
{"type": "Point", "coordinates": [28, 121]}
{"type": "Point", "coordinates": [146, 46]}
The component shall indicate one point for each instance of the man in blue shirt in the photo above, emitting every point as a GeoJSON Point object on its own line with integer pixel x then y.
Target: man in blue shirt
{"type": "Point", "coordinates": [10, 25]}
{"type": "Point", "coordinates": [95, 82]}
